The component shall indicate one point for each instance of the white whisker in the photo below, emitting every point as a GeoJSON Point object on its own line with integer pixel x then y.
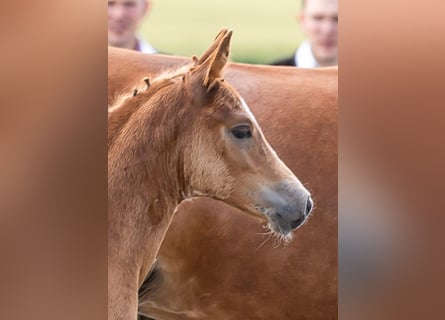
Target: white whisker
{"type": "Point", "coordinates": [264, 233]}
{"type": "Point", "coordinates": [267, 239]}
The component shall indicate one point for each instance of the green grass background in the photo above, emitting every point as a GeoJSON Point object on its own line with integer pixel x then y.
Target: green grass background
{"type": "Point", "coordinates": [262, 30]}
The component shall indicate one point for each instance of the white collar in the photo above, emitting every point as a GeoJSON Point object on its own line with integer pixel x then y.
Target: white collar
{"type": "Point", "coordinates": [145, 47]}
{"type": "Point", "coordinates": [304, 58]}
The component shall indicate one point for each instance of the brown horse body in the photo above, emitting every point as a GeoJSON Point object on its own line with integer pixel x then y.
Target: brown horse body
{"type": "Point", "coordinates": [213, 264]}
{"type": "Point", "coordinates": [186, 134]}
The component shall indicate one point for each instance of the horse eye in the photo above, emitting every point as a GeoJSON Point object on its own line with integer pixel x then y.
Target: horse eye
{"type": "Point", "coordinates": [242, 132]}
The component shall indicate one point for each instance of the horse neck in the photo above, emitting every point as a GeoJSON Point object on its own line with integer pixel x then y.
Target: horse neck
{"type": "Point", "coordinates": [145, 182]}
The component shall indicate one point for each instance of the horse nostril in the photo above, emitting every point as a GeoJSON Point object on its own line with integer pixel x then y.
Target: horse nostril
{"type": "Point", "coordinates": [294, 224]}
{"type": "Point", "coordinates": [309, 205]}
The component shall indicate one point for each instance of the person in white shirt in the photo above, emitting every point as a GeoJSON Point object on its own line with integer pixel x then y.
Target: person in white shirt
{"type": "Point", "coordinates": [124, 19]}
{"type": "Point", "coordinates": [319, 22]}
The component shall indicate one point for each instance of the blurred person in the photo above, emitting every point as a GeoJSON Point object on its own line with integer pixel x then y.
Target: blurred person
{"type": "Point", "coordinates": [124, 19]}
{"type": "Point", "coordinates": [319, 22]}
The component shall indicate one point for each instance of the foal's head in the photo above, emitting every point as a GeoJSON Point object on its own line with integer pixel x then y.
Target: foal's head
{"type": "Point", "coordinates": [216, 147]}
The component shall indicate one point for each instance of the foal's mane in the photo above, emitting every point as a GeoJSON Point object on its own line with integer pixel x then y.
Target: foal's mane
{"type": "Point", "coordinates": [123, 96]}
{"type": "Point", "coordinates": [127, 102]}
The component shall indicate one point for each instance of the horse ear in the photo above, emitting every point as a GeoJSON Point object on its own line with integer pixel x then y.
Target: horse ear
{"type": "Point", "coordinates": [212, 48]}
{"type": "Point", "coordinates": [215, 59]}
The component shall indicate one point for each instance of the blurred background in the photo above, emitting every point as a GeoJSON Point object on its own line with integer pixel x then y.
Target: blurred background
{"type": "Point", "coordinates": [263, 31]}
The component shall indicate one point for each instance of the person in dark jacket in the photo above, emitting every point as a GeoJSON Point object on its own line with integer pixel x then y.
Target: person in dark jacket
{"type": "Point", "coordinates": [319, 21]}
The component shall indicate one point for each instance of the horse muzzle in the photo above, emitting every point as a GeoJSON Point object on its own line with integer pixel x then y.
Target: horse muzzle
{"type": "Point", "coordinates": [286, 205]}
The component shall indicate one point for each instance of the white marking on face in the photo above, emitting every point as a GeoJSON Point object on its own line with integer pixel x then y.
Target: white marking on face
{"type": "Point", "coordinates": [247, 109]}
